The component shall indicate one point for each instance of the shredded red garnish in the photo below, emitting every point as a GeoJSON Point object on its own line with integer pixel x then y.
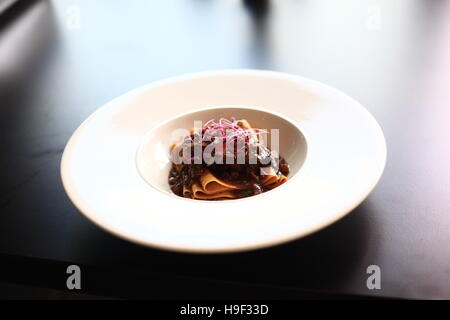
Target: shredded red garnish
{"type": "Point", "coordinates": [230, 129]}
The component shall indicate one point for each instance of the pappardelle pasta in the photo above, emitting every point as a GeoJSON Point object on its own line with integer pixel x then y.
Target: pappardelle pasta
{"type": "Point", "coordinates": [225, 160]}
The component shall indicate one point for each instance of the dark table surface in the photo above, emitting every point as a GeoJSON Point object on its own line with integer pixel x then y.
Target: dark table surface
{"type": "Point", "coordinates": [61, 60]}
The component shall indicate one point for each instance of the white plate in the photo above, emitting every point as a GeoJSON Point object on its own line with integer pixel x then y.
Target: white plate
{"type": "Point", "coordinates": [346, 154]}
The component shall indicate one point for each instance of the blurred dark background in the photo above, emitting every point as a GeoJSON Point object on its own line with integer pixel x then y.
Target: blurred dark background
{"type": "Point", "coordinates": [60, 60]}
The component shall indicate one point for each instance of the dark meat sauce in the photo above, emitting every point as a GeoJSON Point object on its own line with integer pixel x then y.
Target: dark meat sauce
{"type": "Point", "coordinates": [245, 175]}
